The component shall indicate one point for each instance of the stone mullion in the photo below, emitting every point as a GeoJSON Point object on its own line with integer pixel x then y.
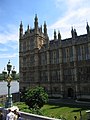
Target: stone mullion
{"type": "Point", "coordinates": [89, 50]}
{"type": "Point", "coordinates": [48, 63]}
{"type": "Point", "coordinates": [48, 72]}
{"type": "Point", "coordinates": [61, 72]}
{"type": "Point", "coordinates": [36, 75]}
{"type": "Point", "coordinates": [75, 70]}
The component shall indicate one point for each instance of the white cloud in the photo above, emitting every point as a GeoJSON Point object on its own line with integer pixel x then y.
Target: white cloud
{"type": "Point", "coordinates": [9, 55]}
{"type": "Point", "coordinates": [58, 3]}
{"type": "Point", "coordinates": [8, 33]}
{"type": "Point", "coordinates": [78, 11]}
{"type": "Point", "coordinates": [9, 41]}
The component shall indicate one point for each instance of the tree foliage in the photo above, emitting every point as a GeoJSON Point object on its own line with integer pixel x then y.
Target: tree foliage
{"type": "Point", "coordinates": [36, 97]}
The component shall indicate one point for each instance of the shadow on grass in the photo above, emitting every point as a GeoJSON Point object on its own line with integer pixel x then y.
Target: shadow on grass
{"type": "Point", "coordinates": [81, 109]}
{"type": "Point", "coordinates": [55, 107]}
{"type": "Point", "coordinates": [77, 110]}
{"type": "Point", "coordinates": [58, 105]}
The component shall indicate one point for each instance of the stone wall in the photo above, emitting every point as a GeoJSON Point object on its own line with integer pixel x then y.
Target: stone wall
{"type": "Point", "coordinates": [28, 116]}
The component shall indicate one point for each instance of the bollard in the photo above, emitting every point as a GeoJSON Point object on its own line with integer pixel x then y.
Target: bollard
{"type": "Point", "coordinates": [75, 117]}
{"type": "Point", "coordinates": [80, 115]}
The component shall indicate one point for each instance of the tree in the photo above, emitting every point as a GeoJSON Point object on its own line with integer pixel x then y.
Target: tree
{"type": "Point", "coordinates": [36, 97]}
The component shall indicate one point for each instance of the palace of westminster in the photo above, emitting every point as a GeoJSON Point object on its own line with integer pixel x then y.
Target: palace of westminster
{"type": "Point", "coordinates": [61, 66]}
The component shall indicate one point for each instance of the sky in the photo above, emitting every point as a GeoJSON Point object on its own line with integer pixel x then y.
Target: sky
{"type": "Point", "coordinates": [60, 15]}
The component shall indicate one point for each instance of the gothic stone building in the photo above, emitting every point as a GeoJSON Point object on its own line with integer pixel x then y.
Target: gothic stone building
{"type": "Point", "coordinates": [61, 66]}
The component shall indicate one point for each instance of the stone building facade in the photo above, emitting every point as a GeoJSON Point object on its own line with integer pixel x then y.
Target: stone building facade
{"type": "Point", "coordinates": [61, 66]}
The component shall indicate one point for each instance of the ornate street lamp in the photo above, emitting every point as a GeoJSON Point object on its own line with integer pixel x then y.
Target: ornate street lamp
{"type": "Point", "coordinates": [9, 77]}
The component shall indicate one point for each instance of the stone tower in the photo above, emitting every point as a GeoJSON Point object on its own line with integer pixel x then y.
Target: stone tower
{"type": "Point", "coordinates": [29, 45]}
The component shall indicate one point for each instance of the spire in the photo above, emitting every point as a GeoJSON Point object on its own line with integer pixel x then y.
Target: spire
{"type": "Point", "coordinates": [41, 29]}
{"type": "Point", "coordinates": [88, 28]}
{"type": "Point", "coordinates": [21, 30]}
{"type": "Point", "coordinates": [36, 22]}
{"type": "Point", "coordinates": [73, 33]}
{"type": "Point", "coordinates": [55, 36]}
{"type": "Point", "coordinates": [59, 35]}
{"type": "Point", "coordinates": [28, 29]}
{"type": "Point", "coordinates": [45, 28]}
{"type": "Point", "coordinates": [21, 25]}
{"type": "Point", "coordinates": [36, 19]}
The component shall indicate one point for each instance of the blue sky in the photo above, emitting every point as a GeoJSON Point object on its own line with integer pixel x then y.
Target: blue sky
{"type": "Point", "coordinates": [58, 14]}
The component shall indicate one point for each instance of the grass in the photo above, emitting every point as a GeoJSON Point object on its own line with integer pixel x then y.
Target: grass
{"type": "Point", "coordinates": [67, 112]}
{"type": "Point", "coordinates": [64, 111]}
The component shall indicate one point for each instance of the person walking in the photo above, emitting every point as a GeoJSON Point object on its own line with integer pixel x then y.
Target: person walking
{"type": "Point", "coordinates": [1, 115]}
{"type": "Point", "coordinates": [10, 115]}
{"type": "Point", "coordinates": [19, 117]}
{"type": "Point", "coordinates": [16, 114]}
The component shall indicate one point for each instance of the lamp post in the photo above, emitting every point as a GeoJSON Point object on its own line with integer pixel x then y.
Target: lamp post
{"type": "Point", "coordinates": [8, 77]}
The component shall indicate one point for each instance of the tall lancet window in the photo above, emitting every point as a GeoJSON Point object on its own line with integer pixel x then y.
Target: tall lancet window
{"type": "Point", "coordinates": [71, 54]}
{"type": "Point", "coordinates": [79, 53]}
{"type": "Point", "coordinates": [64, 55]}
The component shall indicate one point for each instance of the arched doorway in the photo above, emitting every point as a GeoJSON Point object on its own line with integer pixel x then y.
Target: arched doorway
{"type": "Point", "coordinates": [70, 92]}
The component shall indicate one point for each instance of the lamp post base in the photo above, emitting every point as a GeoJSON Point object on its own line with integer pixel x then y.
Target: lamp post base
{"type": "Point", "coordinates": [8, 102]}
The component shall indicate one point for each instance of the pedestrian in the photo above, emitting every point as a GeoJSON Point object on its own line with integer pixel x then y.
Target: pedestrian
{"type": "Point", "coordinates": [16, 114]}
{"type": "Point", "coordinates": [19, 117]}
{"type": "Point", "coordinates": [1, 115]}
{"type": "Point", "coordinates": [10, 115]}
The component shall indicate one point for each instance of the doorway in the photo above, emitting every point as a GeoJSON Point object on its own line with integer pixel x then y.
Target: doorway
{"type": "Point", "coordinates": [70, 92]}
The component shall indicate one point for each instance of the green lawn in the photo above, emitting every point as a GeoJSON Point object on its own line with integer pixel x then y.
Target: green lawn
{"type": "Point", "coordinates": [64, 111]}
{"type": "Point", "coordinates": [58, 110]}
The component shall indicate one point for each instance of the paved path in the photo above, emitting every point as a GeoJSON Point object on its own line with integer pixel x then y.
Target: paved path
{"type": "Point", "coordinates": [70, 102]}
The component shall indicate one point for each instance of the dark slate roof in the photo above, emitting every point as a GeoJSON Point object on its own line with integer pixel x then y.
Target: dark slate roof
{"type": "Point", "coordinates": [69, 41]}
{"type": "Point", "coordinates": [54, 43]}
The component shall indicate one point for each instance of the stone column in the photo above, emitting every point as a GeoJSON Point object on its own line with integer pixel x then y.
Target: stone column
{"type": "Point", "coordinates": [36, 75]}
{"type": "Point", "coordinates": [60, 61]}
{"type": "Point", "coordinates": [89, 50]}
{"type": "Point", "coordinates": [75, 69]}
{"type": "Point", "coordinates": [48, 73]}
{"type": "Point", "coordinates": [75, 60]}
{"type": "Point", "coordinates": [48, 63]}
{"type": "Point", "coordinates": [61, 71]}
